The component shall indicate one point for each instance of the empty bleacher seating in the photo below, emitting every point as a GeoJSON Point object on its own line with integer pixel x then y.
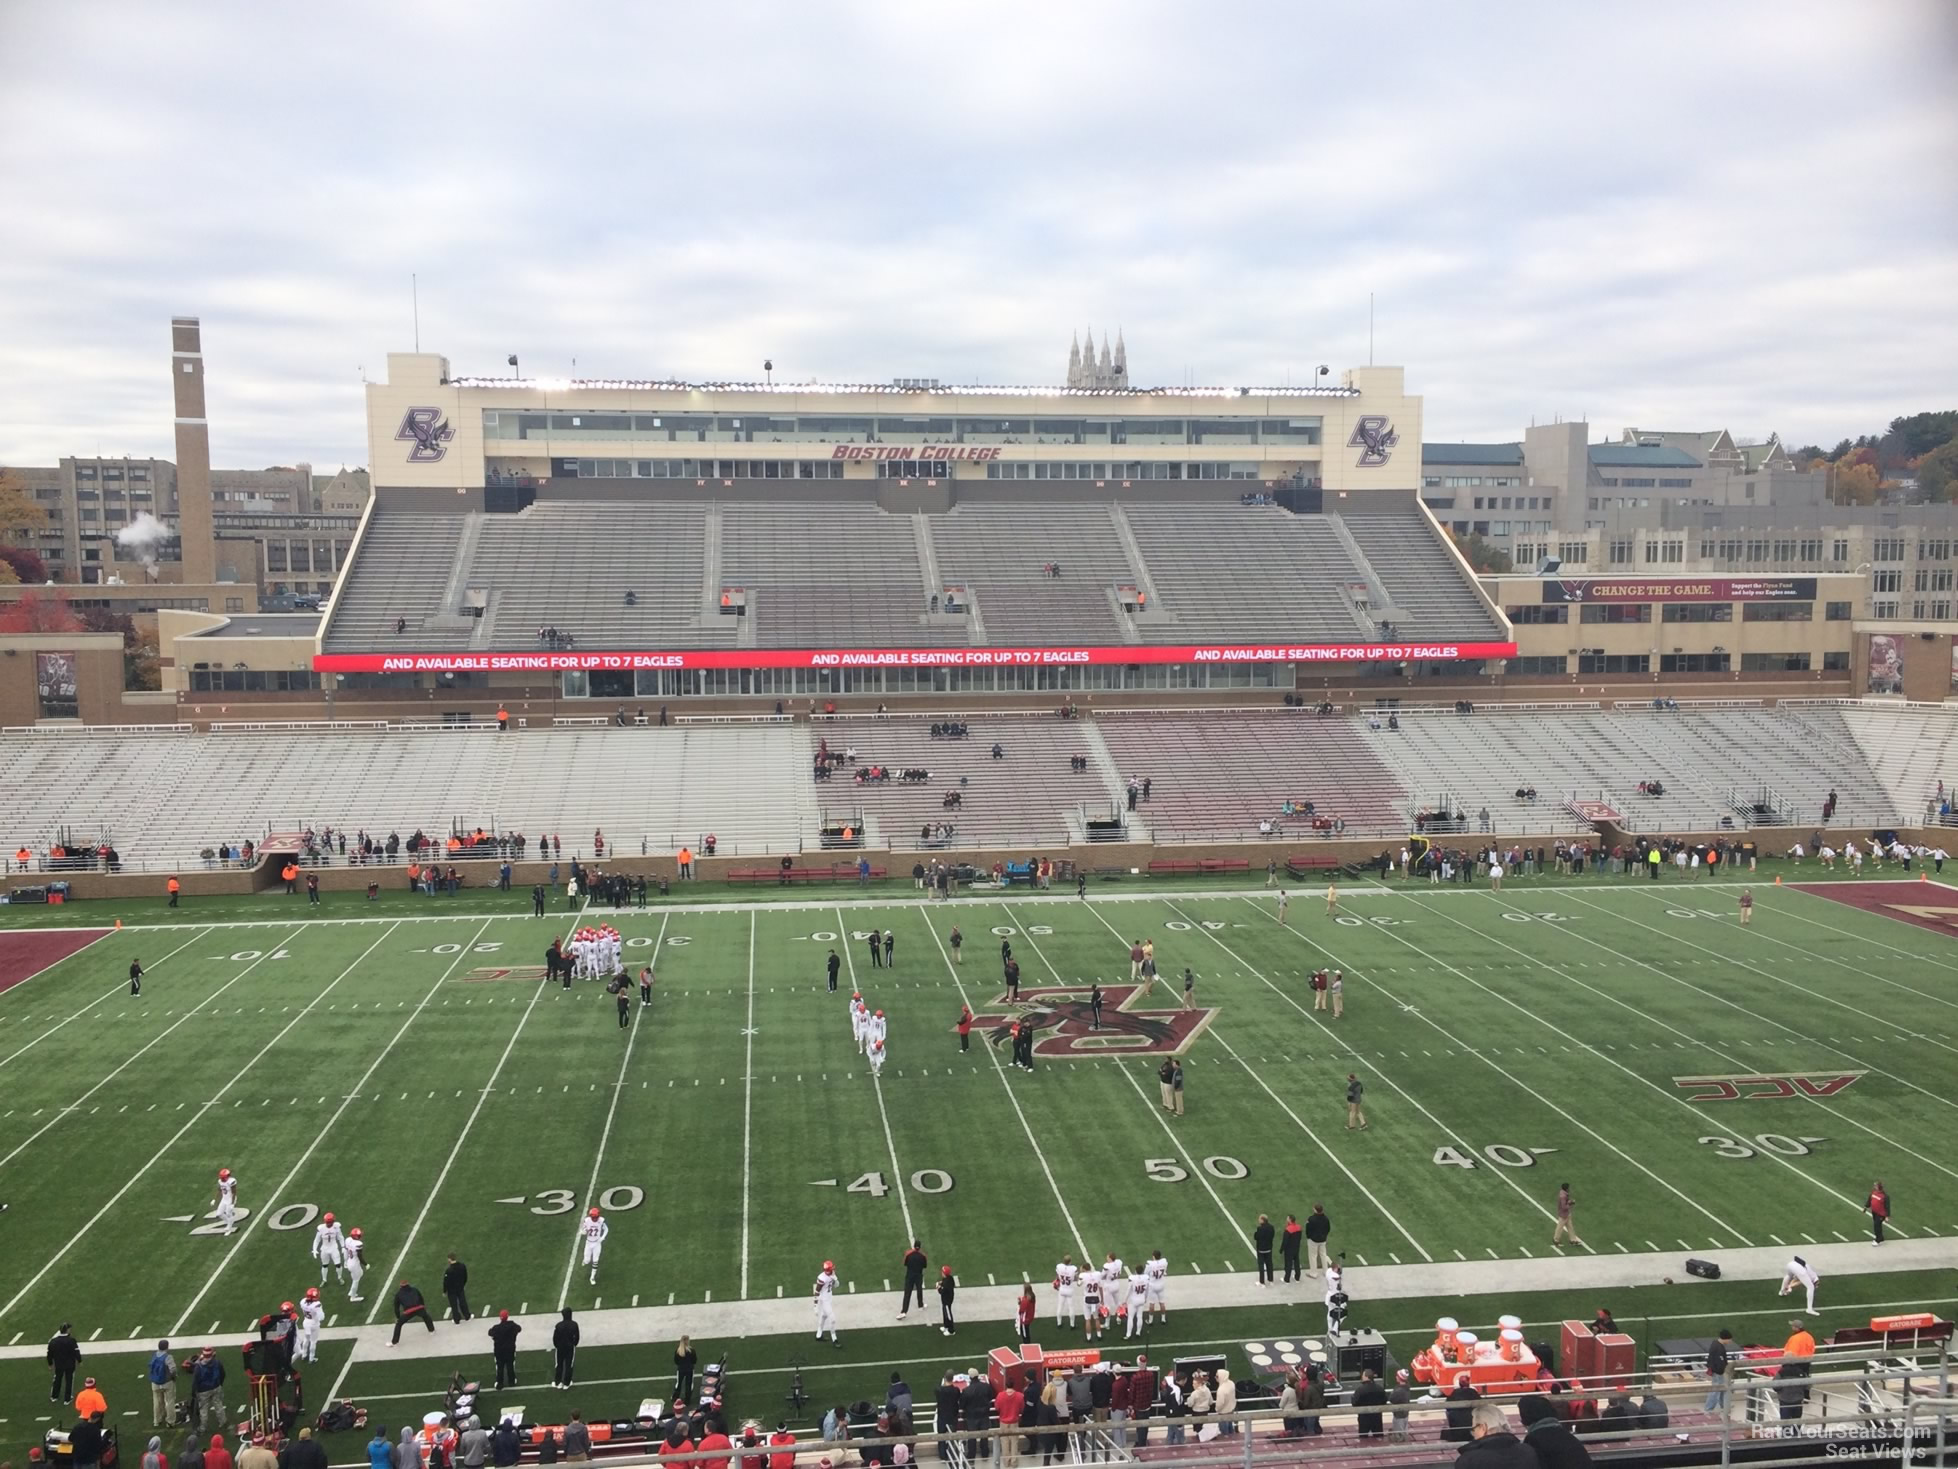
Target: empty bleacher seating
{"type": "Point", "coordinates": [1435, 597]}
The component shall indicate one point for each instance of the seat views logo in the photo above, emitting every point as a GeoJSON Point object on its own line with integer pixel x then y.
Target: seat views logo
{"type": "Point", "coordinates": [1063, 1022]}
{"type": "Point", "coordinates": [428, 431]}
{"type": "Point", "coordinates": [1375, 440]}
{"type": "Point", "coordinates": [1762, 1088]}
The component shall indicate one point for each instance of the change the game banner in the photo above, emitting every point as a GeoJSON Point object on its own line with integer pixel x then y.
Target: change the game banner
{"type": "Point", "coordinates": [573, 659]}
{"type": "Point", "coordinates": [1679, 589]}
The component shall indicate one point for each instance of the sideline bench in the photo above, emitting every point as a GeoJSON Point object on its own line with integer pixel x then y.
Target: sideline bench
{"type": "Point", "coordinates": [1302, 866]}
{"type": "Point", "coordinates": [832, 873]}
{"type": "Point", "coordinates": [1163, 868]}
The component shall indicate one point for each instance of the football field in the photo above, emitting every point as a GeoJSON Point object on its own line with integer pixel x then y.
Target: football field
{"type": "Point", "coordinates": [1699, 1085]}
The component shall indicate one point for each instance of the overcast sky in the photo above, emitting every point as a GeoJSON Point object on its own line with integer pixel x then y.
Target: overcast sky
{"type": "Point", "coordinates": [1668, 215]}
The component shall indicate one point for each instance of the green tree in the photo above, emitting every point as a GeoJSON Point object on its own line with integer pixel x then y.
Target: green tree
{"type": "Point", "coordinates": [1487, 559]}
{"type": "Point", "coordinates": [1923, 432]}
{"type": "Point", "coordinates": [18, 512]}
{"type": "Point", "coordinates": [1937, 472]}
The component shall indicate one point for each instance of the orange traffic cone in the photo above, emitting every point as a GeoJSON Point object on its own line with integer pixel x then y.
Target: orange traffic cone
{"type": "Point", "coordinates": [1777, 879]}
{"type": "Point", "coordinates": [1923, 877]}
{"type": "Point", "coordinates": [118, 923]}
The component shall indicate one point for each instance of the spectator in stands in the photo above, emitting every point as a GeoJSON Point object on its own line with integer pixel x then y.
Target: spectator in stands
{"type": "Point", "coordinates": [999, 750]}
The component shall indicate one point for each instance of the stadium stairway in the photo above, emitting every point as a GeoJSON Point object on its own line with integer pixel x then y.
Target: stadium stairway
{"type": "Point", "coordinates": [1907, 750]}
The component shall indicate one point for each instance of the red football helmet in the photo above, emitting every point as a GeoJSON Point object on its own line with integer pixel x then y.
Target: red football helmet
{"type": "Point", "coordinates": [594, 1211]}
{"type": "Point", "coordinates": [223, 1174]}
{"type": "Point", "coordinates": [312, 1293]}
{"type": "Point", "coordinates": [287, 1307]}
{"type": "Point", "coordinates": [354, 1233]}
{"type": "Point", "coordinates": [829, 1265]}
{"type": "Point", "coordinates": [328, 1219]}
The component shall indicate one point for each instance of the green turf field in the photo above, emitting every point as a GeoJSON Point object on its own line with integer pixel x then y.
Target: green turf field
{"type": "Point", "coordinates": [1686, 1078]}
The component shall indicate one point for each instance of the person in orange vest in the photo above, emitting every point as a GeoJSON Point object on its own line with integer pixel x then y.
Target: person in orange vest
{"type": "Point", "coordinates": [414, 876]}
{"type": "Point", "coordinates": [290, 872]}
{"type": "Point", "coordinates": [172, 887]}
{"type": "Point", "coordinates": [24, 858]}
{"type": "Point", "coordinates": [455, 845]}
{"type": "Point", "coordinates": [686, 862]}
{"type": "Point", "coordinates": [502, 717]}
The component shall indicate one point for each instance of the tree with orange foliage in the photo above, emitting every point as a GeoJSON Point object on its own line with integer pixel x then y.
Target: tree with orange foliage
{"type": "Point", "coordinates": [39, 611]}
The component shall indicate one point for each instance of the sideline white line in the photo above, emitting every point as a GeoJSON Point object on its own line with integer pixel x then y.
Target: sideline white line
{"type": "Point", "coordinates": [1512, 1077]}
{"type": "Point", "coordinates": [748, 1103]}
{"type": "Point", "coordinates": [999, 1070]}
{"type": "Point", "coordinates": [605, 1137]}
{"type": "Point", "coordinates": [1835, 1113]}
{"type": "Point", "coordinates": [877, 1086]}
{"type": "Point", "coordinates": [183, 1019]}
{"type": "Point", "coordinates": [270, 1205]}
{"type": "Point", "coordinates": [1142, 1096]}
{"type": "Point", "coordinates": [195, 1117]}
{"type": "Point", "coordinates": [435, 1190]}
{"type": "Point", "coordinates": [111, 993]}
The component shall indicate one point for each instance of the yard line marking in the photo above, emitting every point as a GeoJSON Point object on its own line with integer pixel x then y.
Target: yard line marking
{"type": "Point", "coordinates": [269, 1207]}
{"type": "Point", "coordinates": [130, 1182]}
{"type": "Point", "coordinates": [1283, 1105]}
{"type": "Point", "coordinates": [604, 1137]}
{"type": "Point", "coordinates": [1515, 1079]}
{"type": "Point", "coordinates": [115, 989]}
{"type": "Point", "coordinates": [1778, 1025]}
{"type": "Point", "coordinates": [999, 1070]}
{"type": "Point", "coordinates": [1169, 1132]}
{"type": "Point", "coordinates": [187, 1016]}
{"type": "Point", "coordinates": [876, 1085]}
{"type": "Point", "coordinates": [1793, 1038]}
{"type": "Point", "coordinates": [748, 1100]}
{"type": "Point", "coordinates": [1796, 912]}
{"type": "Point", "coordinates": [435, 1191]}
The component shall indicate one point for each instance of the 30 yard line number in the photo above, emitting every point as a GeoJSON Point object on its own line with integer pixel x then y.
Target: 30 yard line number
{"type": "Point", "coordinates": [1764, 1142]}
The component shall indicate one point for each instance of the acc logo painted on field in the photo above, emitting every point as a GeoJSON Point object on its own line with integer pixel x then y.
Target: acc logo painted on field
{"type": "Point", "coordinates": [429, 431]}
{"type": "Point", "coordinates": [1375, 439]}
{"type": "Point", "coordinates": [1063, 1023]}
{"type": "Point", "coordinates": [1761, 1088]}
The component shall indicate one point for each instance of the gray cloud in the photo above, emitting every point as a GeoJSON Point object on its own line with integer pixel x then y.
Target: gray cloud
{"type": "Point", "coordinates": [1658, 214]}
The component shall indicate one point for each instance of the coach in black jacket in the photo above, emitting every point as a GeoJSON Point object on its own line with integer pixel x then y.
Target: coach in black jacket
{"type": "Point", "coordinates": [455, 1285]}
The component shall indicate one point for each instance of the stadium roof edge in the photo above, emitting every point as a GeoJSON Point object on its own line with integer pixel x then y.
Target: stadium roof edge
{"type": "Point", "coordinates": [889, 389]}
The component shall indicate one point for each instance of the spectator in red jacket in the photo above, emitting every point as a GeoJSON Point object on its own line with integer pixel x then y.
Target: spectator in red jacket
{"type": "Point", "coordinates": [1009, 1403]}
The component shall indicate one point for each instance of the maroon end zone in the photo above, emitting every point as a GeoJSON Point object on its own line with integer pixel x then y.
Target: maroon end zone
{"type": "Point", "coordinates": [1928, 905]}
{"type": "Point", "coordinates": [24, 953]}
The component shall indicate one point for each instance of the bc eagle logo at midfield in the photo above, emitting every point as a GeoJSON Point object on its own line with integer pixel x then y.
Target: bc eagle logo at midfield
{"type": "Point", "coordinates": [1063, 1023]}
{"type": "Point", "coordinates": [1374, 439]}
{"type": "Point", "coordinates": [428, 431]}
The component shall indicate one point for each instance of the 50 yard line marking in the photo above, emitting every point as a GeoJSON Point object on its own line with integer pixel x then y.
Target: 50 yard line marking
{"type": "Point", "coordinates": [876, 1084]}
{"type": "Point", "coordinates": [999, 1070]}
{"type": "Point", "coordinates": [130, 1182]}
{"type": "Point", "coordinates": [591, 1184]}
{"type": "Point", "coordinates": [269, 1207]}
{"type": "Point", "coordinates": [435, 1191]}
{"type": "Point", "coordinates": [748, 1101]}
{"type": "Point", "coordinates": [110, 994]}
{"type": "Point", "coordinates": [183, 1019]}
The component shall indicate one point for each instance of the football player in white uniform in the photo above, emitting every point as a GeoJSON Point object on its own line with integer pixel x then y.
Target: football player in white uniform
{"type": "Point", "coordinates": [226, 1203]}
{"type": "Point", "coordinates": [877, 1028]}
{"type": "Point", "coordinates": [329, 1248]}
{"type": "Point", "coordinates": [825, 1302]}
{"type": "Point", "coordinates": [312, 1316]}
{"type": "Point", "coordinates": [1138, 1300]}
{"type": "Point", "coordinates": [594, 1229]}
{"type": "Point", "coordinates": [355, 1269]}
{"type": "Point", "coordinates": [1156, 1271]}
{"type": "Point", "coordinates": [1092, 1314]}
{"type": "Point", "coordinates": [877, 1058]}
{"type": "Point", "coordinates": [1064, 1275]}
{"type": "Point", "coordinates": [859, 1014]}
{"type": "Point", "coordinates": [1114, 1280]}
{"type": "Point", "coordinates": [1799, 1272]}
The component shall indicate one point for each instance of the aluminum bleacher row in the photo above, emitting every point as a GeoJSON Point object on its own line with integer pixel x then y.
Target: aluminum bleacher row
{"type": "Point", "coordinates": [832, 574]}
{"type": "Point", "coordinates": [1213, 776]}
